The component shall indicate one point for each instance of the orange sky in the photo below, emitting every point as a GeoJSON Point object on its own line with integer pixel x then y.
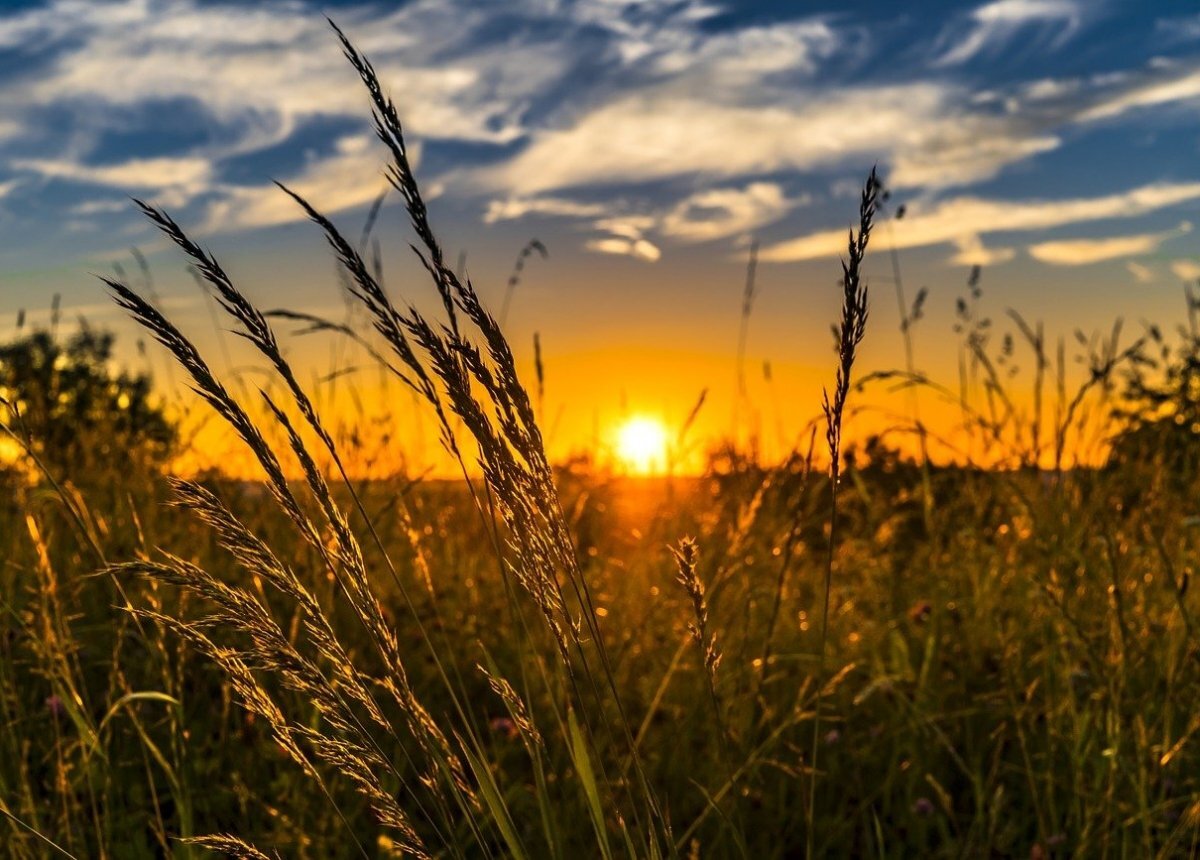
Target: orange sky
{"type": "Point", "coordinates": [646, 145]}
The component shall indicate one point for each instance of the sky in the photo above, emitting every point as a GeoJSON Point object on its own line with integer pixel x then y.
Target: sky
{"type": "Point", "coordinates": [1055, 143]}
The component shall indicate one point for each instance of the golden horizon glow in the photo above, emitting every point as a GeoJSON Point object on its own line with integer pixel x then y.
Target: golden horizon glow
{"type": "Point", "coordinates": [641, 445]}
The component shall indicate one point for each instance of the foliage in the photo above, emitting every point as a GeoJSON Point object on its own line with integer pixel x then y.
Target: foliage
{"type": "Point", "coordinates": [519, 664]}
{"type": "Point", "coordinates": [1161, 403]}
{"type": "Point", "coordinates": [73, 411]}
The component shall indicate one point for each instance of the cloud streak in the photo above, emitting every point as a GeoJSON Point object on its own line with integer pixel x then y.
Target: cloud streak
{"type": "Point", "coordinates": [706, 122]}
{"type": "Point", "coordinates": [1186, 270]}
{"type": "Point", "coordinates": [662, 135]}
{"type": "Point", "coordinates": [176, 179]}
{"type": "Point", "coordinates": [965, 219]}
{"type": "Point", "coordinates": [1082, 252]}
{"type": "Point", "coordinates": [722, 212]}
{"type": "Point", "coordinates": [994, 26]}
{"type": "Point", "coordinates": [352, 177]}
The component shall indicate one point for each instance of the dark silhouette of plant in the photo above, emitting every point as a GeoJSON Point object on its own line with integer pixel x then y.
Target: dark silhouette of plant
{"type": "Point", "coordinates": [67, 407]}
{"type": "Point", "coordinates": [1160, 403]}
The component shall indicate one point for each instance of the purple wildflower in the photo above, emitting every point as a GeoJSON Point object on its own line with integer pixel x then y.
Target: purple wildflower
{"type": "Point", "coordinates": [55, 705]}
{"type": "Point", "coordinates": [922, 806]}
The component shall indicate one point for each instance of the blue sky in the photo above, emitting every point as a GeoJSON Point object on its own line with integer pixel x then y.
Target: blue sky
{"type": "Point", "coordinates": [1055, 142]}
{"type": "Point", "coordinates": [648, 125]}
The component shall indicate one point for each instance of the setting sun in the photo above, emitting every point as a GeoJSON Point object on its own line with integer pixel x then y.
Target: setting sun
{"type": "Point", "coordinates": [642, 445]}
{"type": "Point", "coordinates": [494, 493]}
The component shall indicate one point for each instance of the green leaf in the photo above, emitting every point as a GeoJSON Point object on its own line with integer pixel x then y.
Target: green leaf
{"type": "Point", "coordinates": [495, 804]}
{"type": "Point", "coordinates": [587, 779]}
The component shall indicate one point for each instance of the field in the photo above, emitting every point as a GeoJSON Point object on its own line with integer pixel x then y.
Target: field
{"type": "Point", "coordinates": [859, 651]}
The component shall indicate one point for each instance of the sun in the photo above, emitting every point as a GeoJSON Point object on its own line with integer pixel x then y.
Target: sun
{"type": "Point", "coordinates": [642, 445]}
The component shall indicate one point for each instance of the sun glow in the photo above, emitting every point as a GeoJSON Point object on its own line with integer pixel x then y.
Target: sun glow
{"type": "Point", "coordinates": [642, 445]}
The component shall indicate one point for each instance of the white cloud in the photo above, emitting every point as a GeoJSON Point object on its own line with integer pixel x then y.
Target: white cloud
{"type": "Point", "coordinates": [513, 208]}
{"type": "Point", "coordinates": [965, 218]}
{"type": "Point", "coordinates": [1178, 29]}
{"type": "Point", "coordinates": [353, 176]}
{"type": "Point", "coordinates": [933, 134]}
{"type": "Point", "coordinates": [1172, 86]}
{"type": "Point", "coordinates": [1048, 89]}
{"type": "Point", "coordinates": [659, 135]}
{"type": "Point", "coordinates": [262, 70]}
{"type": "Point", "coordinates": [640, 249]}
{"type": "Point", "coordinates": [700, 217]}
{"type": "Point", "coordinates": [100, 207]}
{"type": "Point", "coordinates": [187, 175]}
{"type": "Point", "coordinates": [736, 57]}
{"type": "Point", "coordinates": [594, 93]}
{"type": "Point", "coordinates": [626, 235]}
{"type": "Point", "coordinates": [1141, 274]}
{"type": "Point", "coordinates": [256, 74]}
{"type": "Point", "coordinates": [1080, 252]}
{"type": "Point", "coordinates": [971, 252]}
{"type": "Point", "coordinates": [723, 212]}
{"type": "Point", "coordinates": [627, 226]}
{"type": "Point", "coordinates": [968, 151]}
{"type": "Point", "coordinates": [1186, 270]}
{"type": "Point", "coordinates": [995, 25]}
{"type": "Point", "coordinates": [169, 182]}
{"type": "Point", "coordinates": [665, 40]}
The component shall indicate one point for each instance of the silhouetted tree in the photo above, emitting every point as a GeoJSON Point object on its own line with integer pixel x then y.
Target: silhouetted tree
{"type": "Point", "coordinates": [1161, 405]}
{"type": "Point", "coordinates": [75, 413]}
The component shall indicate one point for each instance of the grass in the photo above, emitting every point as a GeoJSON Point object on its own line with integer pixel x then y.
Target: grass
{"type": "Point", "coordinates": [892, 659]}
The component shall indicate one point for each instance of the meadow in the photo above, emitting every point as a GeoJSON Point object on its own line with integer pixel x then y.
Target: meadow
{"type": "Point", "coordinates": [862, 650]}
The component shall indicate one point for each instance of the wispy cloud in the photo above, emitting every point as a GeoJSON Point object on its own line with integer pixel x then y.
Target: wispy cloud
{"type": "Point", "coordinates": [261, 70]}
{"type": "Point", "coordinates": [512, 208]}
{"type": "Point", "coordinates": [972, 252]}
{"type": "Point", "coordinates": [626, 237]}
{"type": "Point", "coordinates": [932, 134]}
{"type": "Point", "coordinates": [964, 219]}
{"type": "Point", "coordinates": [1141, 273]}
{"type": "Point", "coordinates": [722, 212]}
{"type": "Point", "coordinates": [1186, 270]}
{"type": "Point", "coordinates": [352, 177]}
{"type": "Point", "coordinates": [256, 76]}
{"type": "Point", "coordinates": [661, 135]}
{"type": "Point", "coordinates": [1171, 85]}
{"type": "Point", "coordinates": [690, 114]}
{"type": "Point", "coordinates": [1180, 29]}
{"type": "Point", "coordinates": [994, 26]}
{"type": "Point", "coordinates": [1080, 252]}
{"type": "Point", "coordinates": [174, 180]}
{"type": "Point", "coordinates": [703, 216]}
{"type": "Point", "coordinates": [641, 249]}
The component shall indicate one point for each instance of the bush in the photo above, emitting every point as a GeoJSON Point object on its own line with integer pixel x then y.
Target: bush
{"type": "Point", "coordinates": [70, 409]}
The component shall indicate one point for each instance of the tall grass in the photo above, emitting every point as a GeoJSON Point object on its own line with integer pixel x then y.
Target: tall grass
{"type": "Point", "coordinates": [850, 332]}
{"type": "Point", "coordinates": [447, 779]}
{"type": "Point", "coordinates": [901, 660]}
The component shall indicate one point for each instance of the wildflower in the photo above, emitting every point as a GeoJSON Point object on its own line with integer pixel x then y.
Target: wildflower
{"type": "Point", "coordinates": [920, 612]}
{"type": "Point", "coordinates": [922, 806]}
{"type": "Point", "coordinates": [55, 705]}
{"type": "Point", "coordinates": [504, 727]}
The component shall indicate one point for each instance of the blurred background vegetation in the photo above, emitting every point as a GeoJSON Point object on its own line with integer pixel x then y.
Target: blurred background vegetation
{"type": "Point", "coordinates": [1013, 654]}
